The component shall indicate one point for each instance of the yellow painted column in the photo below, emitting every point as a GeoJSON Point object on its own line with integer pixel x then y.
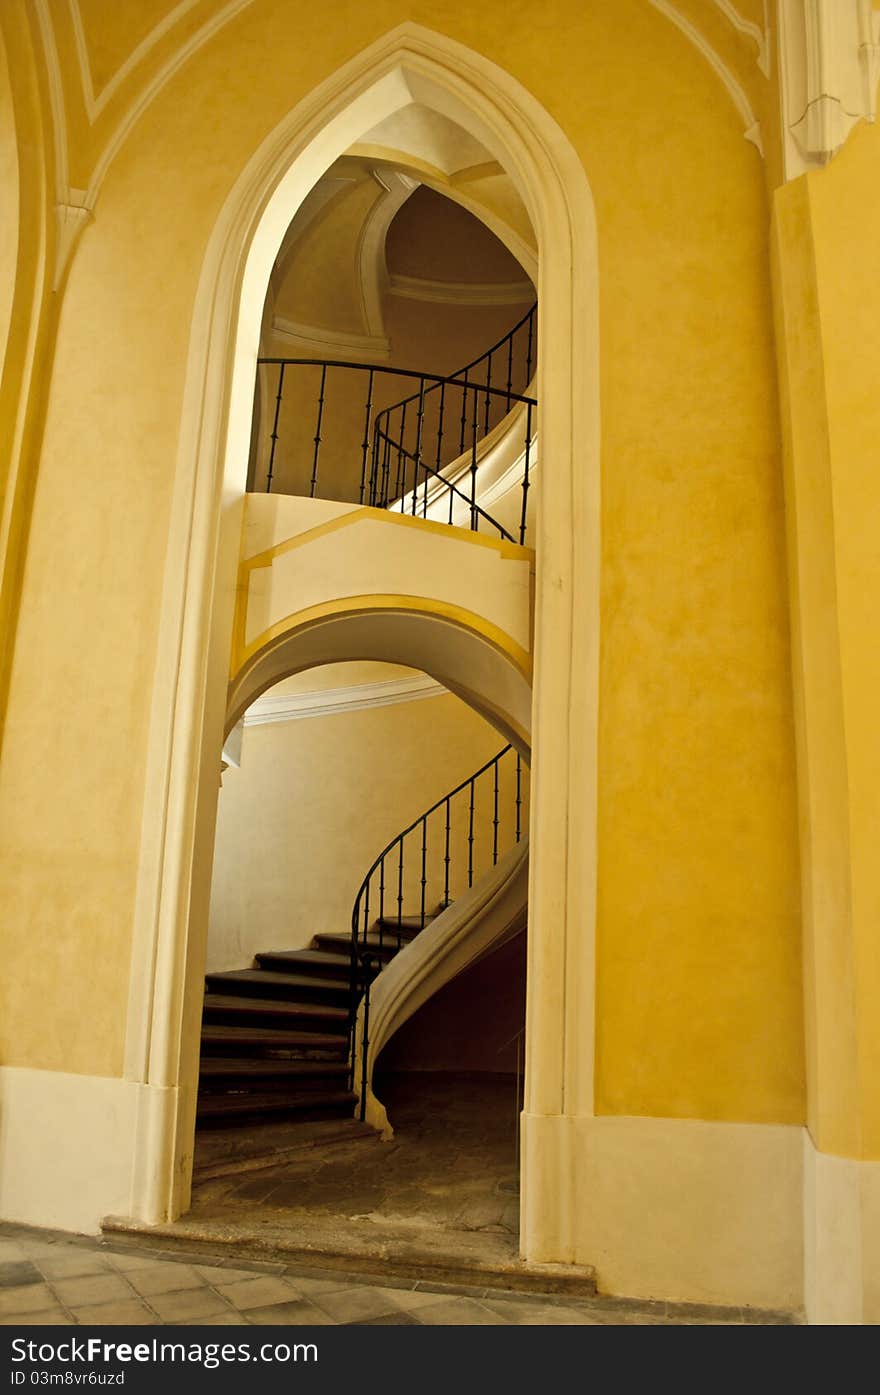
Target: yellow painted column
{"type": "Point", "coordinates": [826, 231]}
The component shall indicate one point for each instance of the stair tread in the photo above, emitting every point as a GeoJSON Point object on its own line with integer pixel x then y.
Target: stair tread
{"type": "Point", "coordinates": [388, 940]}
{"type": "Point", "coordinates": [267, 978]}
{"type": "Point", "coordinates": [225, 1066]}
{"type": "Point", "coordinates": [272, 1007]}
{"type": "Point", "coordinates": [406, 922]}
{"type": "Point", "coordinates": [316, 958]}
{"type": "Point", "coordinates": [223, 1106]}
{"type": "Point", "coordinates": [274, 1037]}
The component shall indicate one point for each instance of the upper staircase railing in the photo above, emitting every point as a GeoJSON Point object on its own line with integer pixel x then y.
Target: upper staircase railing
{"type": "Point", "coordinates": [420, 454]}
{"type": "Point", "coordinates": [450, 846]}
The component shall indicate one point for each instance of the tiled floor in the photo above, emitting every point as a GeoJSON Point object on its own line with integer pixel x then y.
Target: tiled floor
{"type": "Point", "coordinates": [65, 1280]}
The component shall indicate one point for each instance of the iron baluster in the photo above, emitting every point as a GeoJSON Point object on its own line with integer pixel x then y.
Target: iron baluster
{"type": "Point", "coordinates": [400, 488]}
{"type": "Point", "coordinates": [474, 514]}
{"type": "Point", "coordinates": [424, 880]}
{"type": "Point", "coordinates": [386, 473]}
{"type": "Point", "coordinates": [488, 393]}
{"type": "Point", "coordinates": [365, 1041]}
{"type": "Point", "coordinates": [471, 835]}
{"type": "Point", "coordinates": [525, 480]}
{"type": "Point", "coordinates": [368, 411]}
{"type": "Point", "coordinates": [400, 890]}
{"type": "Point", "coordinates": [530, 345]}
{"type": "Point", "coordinates": [518, 796]}
{"type": "Point", "coordinates": [314, 482]}
{"type": "Point", "coordinates": [495, 816]}
{"type": "Point", "coordinates": [446, 858]}
{"type": "Point", "coordinates": [464, 392]}
{"type": "Point", "coordinates": [420, 419]}
{"type": "Point", "coordinates": [509, 368]}
{"type": "Point", "coordinates": [274, 434]}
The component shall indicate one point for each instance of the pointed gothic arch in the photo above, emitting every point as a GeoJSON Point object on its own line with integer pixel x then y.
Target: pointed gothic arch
{"type": "Point", "coordinates": [190, 684]}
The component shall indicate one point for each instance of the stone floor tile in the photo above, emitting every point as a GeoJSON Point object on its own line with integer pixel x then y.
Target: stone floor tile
{"type": "Point", "coordinates": [127, 1262]}
{"type": "Point", "coordinates": [15, 1273]}
{"type": "Point", "coordinates": [92, 1288]}
{"type": "Point", "coordinates": [49, 1317]}
{"type": "Point", "coordinates": [308, 1285]}
{"type": "Point", "coordinates": [224, 1320]}
{"type": "Point", "coordinates": [116, 1314]}
{"type": "Point", "coordinates": [535, 1314]}
{"type": "Point", "coordinates": [30, 1298]}
{"type": "Point", "coordinates": [218, 1274]}
{"type": "Point", "coordinates": [411, 1300]}
{"type": "Point", "coordinates": [293, 1314]}
{"type": "Point", "coordinates": [358, 1304]}
{"type": "Point", "coordinates": [11, 1251]}
{"type": "Point", "coordinates": [459, 1312]}
{"type": "Point", "coordinates": [73, 1262]}
{"type": "Point", "coordinates": [257, 1291]}
{"type": "Point", "coordinates": [188, 1304]}
{"type": "Point", "coordinates": [389, 1320]}
{"type": "Point", "coordinates": [169, 1278]}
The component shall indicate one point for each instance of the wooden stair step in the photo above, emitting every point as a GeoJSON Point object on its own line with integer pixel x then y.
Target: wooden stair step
{"type": "Point", "coordinates": [342, 943]}
{"type": "Point", "coordinates": [263, 981]}
{"type": "Point", "coordinates": [215, 1068]}
{"type": "Point", "coordinates": [270, 1038]}
{"type": "Point", "coordinates": [227, 1108]}
{"type": "Point", "coordinates": [306, 961]}
{"type": "Point", "coordinates": [228, 1005]}
{"type": "Point", "coordinates": [412, 923]}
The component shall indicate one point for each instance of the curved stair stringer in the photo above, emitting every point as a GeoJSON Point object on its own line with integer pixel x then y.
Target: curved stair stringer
{"type": "Point", "coordinates": [482, 919]}
{"type": "Point", "coordinates": [500, 458]}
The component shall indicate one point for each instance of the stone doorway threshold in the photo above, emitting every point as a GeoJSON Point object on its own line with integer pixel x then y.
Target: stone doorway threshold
{"type": "Point", "coordinates": [439, 1200]}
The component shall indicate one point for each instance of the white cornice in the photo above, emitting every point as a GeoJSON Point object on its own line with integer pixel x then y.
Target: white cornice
{"type": "Point", "coordinates": [761, 37]}
{"type": "Point", "coordinates": [331, 343]}
{"type": "Point", "coordinates": [735, 89]}
{"type": "Point", "coordinates": [294, 707]}
{"type": "Point", "coordinates": [56, 101]}
{"type": "Point", "coordinates": [461, 292]}
{"type": "Point", "coordinates": [829, 59]}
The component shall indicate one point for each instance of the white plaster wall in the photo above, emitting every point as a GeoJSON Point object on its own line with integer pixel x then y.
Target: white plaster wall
{"type": "Point", "coordinates": [669, 1208]}
{"type": "Point", "coordinates": [314, 802]}
{"type": "Point", "coordinates": [66, 1147]}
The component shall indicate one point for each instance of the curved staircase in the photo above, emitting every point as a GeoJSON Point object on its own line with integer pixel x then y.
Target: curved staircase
{"type": "Point", "coordinates": [287, 1038]}
{"type": "Point", "coordinates": [275, 1038]}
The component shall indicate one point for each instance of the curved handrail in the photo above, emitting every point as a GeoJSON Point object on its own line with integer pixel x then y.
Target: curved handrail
{"type": "Point", "coordinates": [487, 355]}
{"type": "Point", "coordinates": [368, 956]}
{"type": "Point", "coordinates": [385, 460]}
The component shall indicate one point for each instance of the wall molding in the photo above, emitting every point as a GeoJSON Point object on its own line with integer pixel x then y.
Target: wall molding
{"type": "Point", "coordinates": [95, 103]}
{"type": "Point", "coordinates": [325, 702]}
{"type": "Point", "coordinates": [760, 36]}
{"type": "Point", "coordinates": [734, 88]}
{"type": "Point", "coordinates": [331, 342]}
{"type": "Point", "coordinates": [829, 68]}
{"type": "Point", "coordinates": [461, 292]}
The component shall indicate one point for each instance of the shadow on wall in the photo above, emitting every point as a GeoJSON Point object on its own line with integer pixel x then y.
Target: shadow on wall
{"type": "Point", "coordinates": [470, 1025]}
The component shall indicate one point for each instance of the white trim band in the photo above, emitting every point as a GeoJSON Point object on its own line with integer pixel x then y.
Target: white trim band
{"type": "Point", "coordinates": [293, 707]}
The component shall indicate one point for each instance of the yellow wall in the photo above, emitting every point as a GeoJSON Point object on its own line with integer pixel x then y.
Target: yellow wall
{"type": "Point", "coordinates": [827, 227]}
{"type": "Point", "coordinates": [8, 201]}
{"type": "Point", "coordinates": [698, 948]}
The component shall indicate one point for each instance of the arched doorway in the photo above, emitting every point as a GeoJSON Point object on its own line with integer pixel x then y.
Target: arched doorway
{"type": "Point", "coordinates": [189, 702]}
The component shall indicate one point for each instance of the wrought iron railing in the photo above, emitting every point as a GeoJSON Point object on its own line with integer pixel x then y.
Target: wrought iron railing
{"type": "Point", "coordinates": [450, 845]}
{"type": "Point", "coordinates": [468, 405]}
{"type": "Point", "coordinates": [329, 437]}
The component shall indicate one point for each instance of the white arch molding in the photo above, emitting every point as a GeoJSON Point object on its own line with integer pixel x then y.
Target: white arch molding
{"type": "Point", "coordinates": [410, 63]}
